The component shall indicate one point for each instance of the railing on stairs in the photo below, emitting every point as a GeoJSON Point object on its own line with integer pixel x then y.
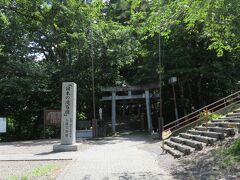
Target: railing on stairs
{"type": "Point", "coordinates": [194, 116]}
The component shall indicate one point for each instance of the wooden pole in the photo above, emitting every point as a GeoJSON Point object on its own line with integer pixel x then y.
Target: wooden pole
{"type": "Point", "coordinates": [113, 111]}
{"type": "Point", "coordinates": [175, 102]}
{"type": "Point", "coordinates": [148, 107]}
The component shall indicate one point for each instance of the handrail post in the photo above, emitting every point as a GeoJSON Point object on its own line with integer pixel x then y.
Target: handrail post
{"type": "Point", "coordinates": [206, 117]}
{"type": "Point", "coordinates": [161, 127]}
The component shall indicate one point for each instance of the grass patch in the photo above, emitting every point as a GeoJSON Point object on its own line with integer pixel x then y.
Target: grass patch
{"type": "Point", "coordinates": [13, 178]}
{"type": "Point", "coordinates": [214, 116]}
{"type": "Point", "coordinates": [36, 172]}
{"type": "Point", "coordinates": [234, 150]}
{"type": "Point", "coordinates": [39, 171]}
{"type": "Point", "coordinates": [211, 116]}
{"type": "Point", "coordinates": [228, 156]}
{"type": "Point", "coordinates": [24, 178]}
{"type": "Point", "coordinates": [18, 178]}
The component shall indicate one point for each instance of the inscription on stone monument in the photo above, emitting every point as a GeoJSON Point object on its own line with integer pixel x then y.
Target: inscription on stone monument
{"type": "Point", "coordinates": [68, 124]}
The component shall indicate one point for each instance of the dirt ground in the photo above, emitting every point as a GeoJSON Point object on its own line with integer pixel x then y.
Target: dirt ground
{"type": "Point", "coordinates": [207, 164]}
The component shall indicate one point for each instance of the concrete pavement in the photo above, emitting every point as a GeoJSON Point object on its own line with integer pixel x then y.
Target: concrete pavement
{"type": "Point", "coordinates": [120, 158]}
{"type": "Point", "coordinates": [130, 156]}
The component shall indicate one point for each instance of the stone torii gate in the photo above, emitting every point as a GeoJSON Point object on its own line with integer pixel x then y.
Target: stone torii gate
{"type": "Point", "coordinates": [129, 89]}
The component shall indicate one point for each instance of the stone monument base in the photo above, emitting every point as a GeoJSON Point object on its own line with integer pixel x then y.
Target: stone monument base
{"type": "Point", "coordinates": [63, 148]}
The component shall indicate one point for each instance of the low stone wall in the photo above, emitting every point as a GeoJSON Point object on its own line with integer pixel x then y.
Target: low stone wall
{"type": "Point", "coordinates": [84, 134]}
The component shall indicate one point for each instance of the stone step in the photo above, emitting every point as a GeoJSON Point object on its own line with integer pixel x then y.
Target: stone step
{"type": "Point", "coordinates": [222, 118]}
{"type": "Point", "coordinates": [173, 152]}
{"type": "Point", "coordinates": [233, 114]}
{"type": "Point", "coordinates": [224, 124]}
{"type": "Point", "coordinates": [227, 119]}
{"type": "Point", "coordinates": [233, 120]}
{"type": "Point", "coordinates": [207, 140]}
{"type": "Point", "coordinates": [236, 111]}
{"type": "Point", "coordinates": [233, 117]}
{"type": "Point", "coordinates": [218, 121]}
{"type": "Point", "coordinates": [184, 149]}
{"type": "Point", "coordinates": [227, 131]}
{"type": "Point", "coordinates": [206, 133]}
{"type": "Point", "coordinates": [194, 144]}
{"type": "Point", "coordinates": [195, 141]}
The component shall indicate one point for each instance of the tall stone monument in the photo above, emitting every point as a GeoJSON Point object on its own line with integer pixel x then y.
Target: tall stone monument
{"type": "Point", "coordinates": [68, 120]}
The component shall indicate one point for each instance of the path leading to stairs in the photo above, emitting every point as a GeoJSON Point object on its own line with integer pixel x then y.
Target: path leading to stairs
{"type": "Point", "coordinates": [124, 157]}
{"type": "Point", "coordinates": [132, 156]}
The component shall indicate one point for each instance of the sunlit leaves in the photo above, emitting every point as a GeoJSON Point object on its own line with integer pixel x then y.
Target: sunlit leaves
{"type": "Point", "coordinates": [215, 20]}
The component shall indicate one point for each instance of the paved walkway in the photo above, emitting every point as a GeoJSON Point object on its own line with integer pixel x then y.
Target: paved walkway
{"type": "Point", "coordinates": [126, 157]}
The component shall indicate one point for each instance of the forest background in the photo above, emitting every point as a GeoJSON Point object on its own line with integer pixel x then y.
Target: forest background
{"type": "Point", "coordinates": [46, 42]}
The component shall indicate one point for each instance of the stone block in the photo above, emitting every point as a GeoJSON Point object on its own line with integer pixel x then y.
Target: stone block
{"type": "Point", "coordinates": [65, 148]}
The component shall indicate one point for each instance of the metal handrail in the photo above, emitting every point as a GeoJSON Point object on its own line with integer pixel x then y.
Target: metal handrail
{"type": "Point", "coordinates": [194, 116]}
{"type": "Point", "coordinates": [222, 104]}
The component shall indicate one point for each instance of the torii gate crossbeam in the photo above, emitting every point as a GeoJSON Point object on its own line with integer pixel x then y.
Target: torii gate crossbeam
{"type": "Point", "coordinates": [146, 95]}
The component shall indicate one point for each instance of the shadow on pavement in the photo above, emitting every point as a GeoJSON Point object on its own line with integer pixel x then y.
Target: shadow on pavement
{"type": "Point", "coordinates": [48, 153]}
{"type": "Point", "coordinates": [134, 136]}
{"type": "Point", "coordinates": [31, 143]}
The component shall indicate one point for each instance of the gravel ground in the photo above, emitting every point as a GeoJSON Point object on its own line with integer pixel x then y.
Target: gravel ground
{"type": "Point", "coordinates": [21, 169]}
{"type": "Point", "coordinates": [27, 147]}
{"type": "Point", "coordinates": [34, 147]}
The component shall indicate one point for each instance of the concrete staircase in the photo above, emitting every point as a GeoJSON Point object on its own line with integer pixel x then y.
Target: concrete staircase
{"type": "Point", "coordinates": [205, 135]}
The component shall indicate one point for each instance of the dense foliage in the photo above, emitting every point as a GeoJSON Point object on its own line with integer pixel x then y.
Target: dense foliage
{"type": "Point", "coordinates": [46, 42]}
